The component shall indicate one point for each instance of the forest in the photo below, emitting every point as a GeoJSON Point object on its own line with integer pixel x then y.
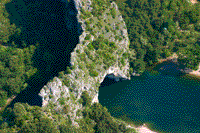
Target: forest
{"type": "Point", "coordinates": [156, 29]}
{"type": "Point", "coordinates": [159, 28]}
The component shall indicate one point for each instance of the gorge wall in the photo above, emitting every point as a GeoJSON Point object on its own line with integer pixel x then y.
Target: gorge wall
{"type": "Point", "coordinates": [103, 49]}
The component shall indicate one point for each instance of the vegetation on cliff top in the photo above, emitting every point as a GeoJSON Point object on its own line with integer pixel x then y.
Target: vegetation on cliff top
{"type": "Point", "coordinates": [158, 28]}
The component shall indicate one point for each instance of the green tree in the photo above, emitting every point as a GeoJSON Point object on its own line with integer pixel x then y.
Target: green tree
{"type": "Point", "coordinates": [86, 99]}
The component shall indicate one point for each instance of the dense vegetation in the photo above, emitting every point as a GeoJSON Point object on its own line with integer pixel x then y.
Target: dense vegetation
{"type": "Point", "coordinates": [31, 50]}
{"type": "Point", "coordinates": [156, 29]}
{"type": "Point", "coordinates": [25, 118]}
{"type": "Point", "coordinates": [16, 65]}
{"type": "Point", "coordinates": [29, 57]}
{"type": "Point", "coordinates": [159, 28]}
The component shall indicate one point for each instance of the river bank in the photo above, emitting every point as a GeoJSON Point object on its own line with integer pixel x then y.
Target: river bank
{"type": "Point", "coordinates": [187, 71]}
{"type": "Point", "coordinates": [142, 129]}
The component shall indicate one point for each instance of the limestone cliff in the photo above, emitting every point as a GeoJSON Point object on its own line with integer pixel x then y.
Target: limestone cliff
{"type": "Point", "coordinates": [103, 49]}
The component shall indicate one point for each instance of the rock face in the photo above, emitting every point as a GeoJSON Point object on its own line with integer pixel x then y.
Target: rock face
{"type": "Point", "coordinates": [53, 91]}
{"type": "Point", "coordinates": [92, 63]}
{"type": "Point", "coordinates": [116, 69]}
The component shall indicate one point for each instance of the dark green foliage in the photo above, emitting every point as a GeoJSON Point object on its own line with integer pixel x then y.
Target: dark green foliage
{"type": "Point", "coordinates": [66, 81]}
{"type": "Point", "coordinates": [90, 46]}
{"type": "Point", "coordinates": [68, 71]}
{"type": "Point", "coordinates": [3, 98]}
{"type": "Point", "coordinates": [25, 118]}
{"type": "Point", "coordinates": [113, 12]}
{"type": "Point", "coordinates": [113, 45]}
{"type": "Point", "coordinates": [152, 27]}
{"type": "Point", "coordinates": [66, 109]}
{"type": "Point", "coordinates": [67, 128]}
{"type": "Point", "coordinates": [7, 29]}
{"type": "Point", "coordinates": [72, 67]}
{"type": "Point", "coordinates": [86, 14]}
{"type": "Point", "coordinates": [93, 73]}
{"type": "Point", "coordinates": [86, 125]}
{"type": "Point", "coordinates": [62, 101]}
{"type": "Point", "coordinates": [88, 37]}
{"type": "Point", "coordinates": [89, 55]}
{"type": "Point", "coordinates": [86, 99]}
{"type": "Point", "coordinates": [197, 26]}
{"type": "Point", "coordinates": [107, 29]}
{"type": "Point", "coordinates": [15, 68]}
{"type": "Point", "coordinates": [51, 96]}
{"type": "Point", "coordinates": [28, 119]}
{"type": "Point", "coordinates": [83, 57]}
{"type": "Point", "coordinates": [61, 74]}
{"type": "Point", "coordinates": [99, 6]}
{"type": "Point", "coordinates": [123, 62]}
{"type": "Point", "coordinates": [104, 121]}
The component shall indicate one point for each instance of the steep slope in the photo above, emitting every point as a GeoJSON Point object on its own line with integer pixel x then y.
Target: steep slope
{"type": "Point", "coordinates": [103, 49]}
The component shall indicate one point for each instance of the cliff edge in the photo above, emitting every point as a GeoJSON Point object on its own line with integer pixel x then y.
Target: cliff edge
{"type": "Point", "coordinates": [103, 49]}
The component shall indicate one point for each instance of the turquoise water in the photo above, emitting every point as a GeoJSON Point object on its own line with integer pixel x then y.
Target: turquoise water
{"type": "Point", "coordinates": [170, 103]}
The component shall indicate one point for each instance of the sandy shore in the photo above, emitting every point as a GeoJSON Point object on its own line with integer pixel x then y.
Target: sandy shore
{"type": "Point", "coordinates": [174, 57]}
{"type": "Point", "coordinates": [142, 129]}
{"type": "Point", "coordinates": [196, 73]}
{"type": "Point", "coordinates": [194, 1]}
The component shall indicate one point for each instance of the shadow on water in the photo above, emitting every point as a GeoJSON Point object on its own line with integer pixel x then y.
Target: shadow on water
{"type": "Point", "coordinates": [166, 103]}
{"type": "Point", "coordinates": [54, 26]}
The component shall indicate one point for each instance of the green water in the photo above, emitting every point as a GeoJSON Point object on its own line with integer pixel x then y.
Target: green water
{"type": "Point", "coordinates": [169, 103]}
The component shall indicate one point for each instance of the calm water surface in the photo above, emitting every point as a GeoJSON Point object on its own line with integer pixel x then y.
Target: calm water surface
{"type": "Point", "coordinates": [169, 103]}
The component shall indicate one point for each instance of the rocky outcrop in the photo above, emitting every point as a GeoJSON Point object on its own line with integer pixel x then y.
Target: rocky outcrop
{"type": "Point", "coordinates": [53, 91]}
{"type": "Point", "coordinates": [110, 26]}
{"type": "Point", "coordinates": [115, 69]}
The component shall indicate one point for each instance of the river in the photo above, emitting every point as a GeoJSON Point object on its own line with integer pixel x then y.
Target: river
{"type": "Point", "coordinates": [165, 100]}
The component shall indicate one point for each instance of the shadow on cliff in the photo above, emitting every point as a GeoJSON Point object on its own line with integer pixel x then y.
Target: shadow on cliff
{"type": "Point", "coordinates": [54, 26]}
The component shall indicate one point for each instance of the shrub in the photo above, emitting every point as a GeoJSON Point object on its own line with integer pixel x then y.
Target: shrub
{"type": "Point", "coordinates": [197, 26]}
{"type": "Point", "coordinates": [123, 62]}
{"type": "Point", "coordinates": [66, 81]}
{"type": "Point", "coordinates": [90, 65]}
{"type": "Point", "coordinates": [107, 14]}
{"type": "Point", "coordinates": [50, 96]}
{"type": "Point", "coordinates": [125, 55]}
{"type": "Point", "coordinates": [62, 101]}
{"type": "Point", "coordinates": [61, 74]}
{"type": "Point", "coordinates": [117, 27]}
{"type": "Point", "coordinates": [113, 12]}
{"type": "Point", "coordinates": [3, 96]}
{"type": "Point", "coordinates": [73, 67]}
{"type": "Point", "coordinates": [113, 45]}
{"type": "Point", "coordinates": [88, 28]}
{"type": "Point", "coordinates": [88, 37]}
{"type": "Point", "coordinates": [80, 65]}
{"type": "Point", "coordinates": [92, 33]}
{"type": "Point", "coordinates": [86, 125]}
{"type": "Point", "coordinates": [167, 53]}
{"type": "Point", "coordinates": [93, 73]}
{"type": "Point", "coordinates": [90, 47]}
{"type": "Point", "coordinates": [84, 42]}
{"type": "Point", "coordinates": [107, 29]}
{"type": "Point", "coordinates": [68, 71]}
{"type": "Point", "coordinates": [83, 57]}
{"type": "Point", "coordinates": [87, 22]}
{"type": "Point", "coordinates": [86, 14]}
{"type": "Point", "coordinates": [66, 109]}
{"type": "Point", "coordinates": [78, 51]}
{"type": "Point", "coordinates": [86, 99]}
{"type": "Point", "coordinates": [99, 25]}
{"type": "Point", "coordinates": [88, 54]}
